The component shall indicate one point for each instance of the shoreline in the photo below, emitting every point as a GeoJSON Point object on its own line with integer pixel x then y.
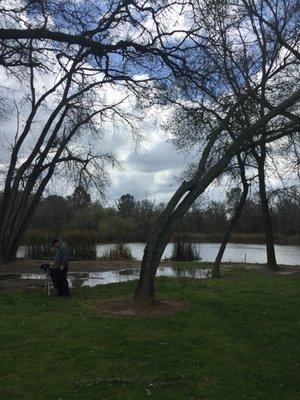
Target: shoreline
{"type": "Point", "coordinates": [32, 265]}
{"type": "Point", "coordinates": [9, 282]}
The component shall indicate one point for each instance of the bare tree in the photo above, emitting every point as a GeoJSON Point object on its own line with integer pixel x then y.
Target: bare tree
{"type": "Point", "coordinates": [90, 48]}
{"type": "Point", "coordinates": [47, 139]}
{"type": "Point", "coordinates": [238, 71]}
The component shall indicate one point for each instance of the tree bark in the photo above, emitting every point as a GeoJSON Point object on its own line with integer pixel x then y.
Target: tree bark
{"type": "Point", "coordinates": [232, 225]}
{"type": "Point", "coordinates": [234, 220]}
{"type": "Point", "coordinates": [145, 291]}
{"type": "Point", "coordinates": [187, 193]}
{"type": "Point", "coordinates": [267, 221]}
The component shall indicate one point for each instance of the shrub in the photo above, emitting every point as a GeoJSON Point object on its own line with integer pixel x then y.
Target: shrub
{"type": "Point", "coordinates": [183, 251]}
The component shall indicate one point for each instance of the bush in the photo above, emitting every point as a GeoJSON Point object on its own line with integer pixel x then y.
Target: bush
{"type": "Point", "coordinates": [183, 251]}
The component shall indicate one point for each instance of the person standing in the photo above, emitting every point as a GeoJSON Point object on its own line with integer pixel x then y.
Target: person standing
{"type": "Point", "coordinates": [60, 268]}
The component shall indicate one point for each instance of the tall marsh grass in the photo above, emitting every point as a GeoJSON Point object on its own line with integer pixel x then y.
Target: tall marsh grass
{"type": "Point", "coordinates": [81, 245]}
{"type": "Point", "coordinates": [118, 251]}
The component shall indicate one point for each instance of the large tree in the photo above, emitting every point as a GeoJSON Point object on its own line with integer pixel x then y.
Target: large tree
{"type": "Point", "coordinates": [75, 58]}
{"type": "Point", "coordinates": [238, 70]}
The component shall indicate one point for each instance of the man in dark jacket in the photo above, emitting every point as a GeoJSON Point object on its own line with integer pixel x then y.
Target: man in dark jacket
{"type": "Point", "coordinates": [60, 268]}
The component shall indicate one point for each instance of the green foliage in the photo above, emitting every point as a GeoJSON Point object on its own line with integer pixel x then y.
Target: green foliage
{"type": "Point", "coordinates": [87, 219]}
{"type": "Point", "coordinates": [133, 220]}
{"type": "Point", "coordinates": [52, 214]}
{"type": "Point", "coordinates": [115, 228]}
{"type": "Point", "coordinates": [80, 199]}
{"type": "Point", "coordinates": [126, 205]}
{"type": "Point", "coordinates": [238, 341]}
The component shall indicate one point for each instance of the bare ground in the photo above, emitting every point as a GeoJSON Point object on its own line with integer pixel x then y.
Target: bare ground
{"type": "Point", "coordinates": [123, 307]}
{"type": "Point", "coordinates": [31, 266]}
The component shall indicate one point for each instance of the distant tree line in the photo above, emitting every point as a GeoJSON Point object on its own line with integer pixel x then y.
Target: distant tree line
{"type": "Point", "coordinates": [132, 220]}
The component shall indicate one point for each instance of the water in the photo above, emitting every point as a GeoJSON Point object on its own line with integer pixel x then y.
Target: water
{"type": "Point", "coordinates": [251, 253]}
{"type": "Point", "coordinates": [91, 279]}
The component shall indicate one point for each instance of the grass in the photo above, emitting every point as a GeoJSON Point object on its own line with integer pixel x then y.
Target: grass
{"type": "Point", "coordinates": [239, 340]}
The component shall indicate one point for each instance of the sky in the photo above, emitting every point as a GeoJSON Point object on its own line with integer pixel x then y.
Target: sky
{"type": "Point", "coordinates": [149, 169]}
{"type": "Point", "coordinates": [152, 169]}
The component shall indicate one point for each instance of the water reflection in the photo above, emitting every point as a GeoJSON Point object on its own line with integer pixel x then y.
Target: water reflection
{"type": "Point", "coordinates": [91, 279]}
{"type": "Point", "coordinates": [235, 252]}
{"type": "Point", "coordinates": [105, 277]}
{"type": "Point", "coordinates": [250, 253]}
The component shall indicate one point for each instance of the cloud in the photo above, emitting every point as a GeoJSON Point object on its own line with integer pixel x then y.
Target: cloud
{"type": "Point", "coordinates": [160, 157]}
{"type": "Point", "coordinates": [157, 186]}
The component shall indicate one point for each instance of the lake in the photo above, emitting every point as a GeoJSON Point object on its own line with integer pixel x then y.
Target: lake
{"type": "Point", "coordinates": [235, 252]}
{"type": "Point", "coordinates": [91, 279]}
{"type": "Point", "coordinates": [250, 253]}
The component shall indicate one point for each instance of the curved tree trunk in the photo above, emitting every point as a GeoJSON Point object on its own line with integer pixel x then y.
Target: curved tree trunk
{"type": "Point", "coordinates": [188, 192]}
{"type": "Point", "coordinates": [232, 224]}
{"type": "Point", "coordinates": [234, 220]}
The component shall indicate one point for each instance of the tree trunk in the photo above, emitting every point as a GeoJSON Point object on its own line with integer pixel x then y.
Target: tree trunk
{"type": "Point", "coordinates": [184, 197]}
{"type": "Point", "coordinates": [145, 291]}
{"type": "Point", "coordinates": [10, 242]}
{"type": "Point", "coordinates": [267, 221]}
{"type": "Point", "coordinates": [15, 220]}
{"type": "Point", "coordinates": [233, 222]}
{"type": "Point", "coordinates": [178, 205]}
{"type": "Point", "coordinates": [144, 294]}
{"type": "Point", "coordinates": [8, 254]}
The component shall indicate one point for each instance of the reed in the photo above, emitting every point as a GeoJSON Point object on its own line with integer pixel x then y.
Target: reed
{"type": "Point", "coordinates": [81, 245]}
{"type": "Point", "coordinates": [36, 235]}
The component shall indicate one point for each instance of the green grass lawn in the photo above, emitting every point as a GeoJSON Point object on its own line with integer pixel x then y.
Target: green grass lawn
{"type": "Point", "coordinates": [238, 340]}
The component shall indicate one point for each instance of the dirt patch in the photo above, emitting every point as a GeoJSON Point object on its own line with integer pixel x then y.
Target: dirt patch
{"type": "Point", "coordinates": [122, 307]}
{"type": "Point", "coordinates": [9, 285]}
{"type": "Point", "coordinates": [28, 265]}
{"type": "Point", "coordinates": [31, 266]}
